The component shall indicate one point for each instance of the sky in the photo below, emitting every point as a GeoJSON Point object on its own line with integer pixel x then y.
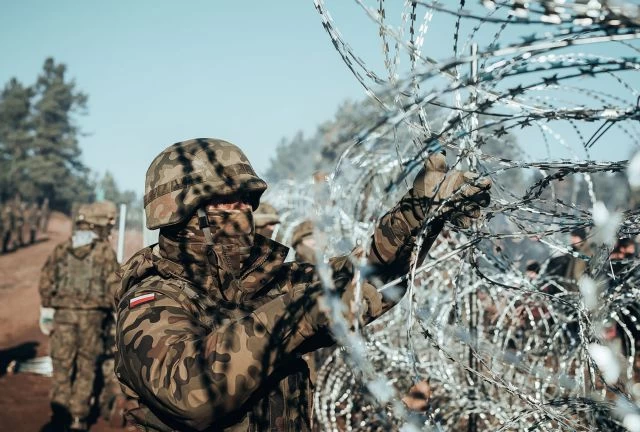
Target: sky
{"type": "Point", "coordinates": [250, 72]}
{"type": "Point", "coordinates": [156, 73]}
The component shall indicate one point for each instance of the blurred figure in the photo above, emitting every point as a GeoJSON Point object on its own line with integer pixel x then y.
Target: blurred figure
{"type": "Point", "coordinates": [5, 227]}
{"type": "Point", "coordinates": [569, 266]}
{"type": "Point", "coordinates": [625, 328]}
{"type": "Point", "coordinates": [31, 222]}
{"type": "Point", "coordinates": [17, 210]}
{"type": "Point", "coordinates": [303, 242]}
{"type": "Point", "coordinates": [74, 285]}
{"type": "Point", "coordinates": [532, 271]}
{"type": "Point", "coordinates": [625, 248]}
{"type": "Point", "coordinates": [266, 220]}
{"type": "Point", "coordinates": [45, 213]}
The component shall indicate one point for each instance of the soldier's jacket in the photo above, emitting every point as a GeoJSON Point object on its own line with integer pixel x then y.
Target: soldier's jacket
{"type": "Point", "coordinates": [192, 358]}
{"type": "Point", "coordinates": [32, 214]}
{"type": "Point", "coordinates": [78, 278]}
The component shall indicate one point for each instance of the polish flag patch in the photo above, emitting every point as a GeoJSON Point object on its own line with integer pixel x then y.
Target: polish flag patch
{"type": "Point", "coordinates": [142, 299]}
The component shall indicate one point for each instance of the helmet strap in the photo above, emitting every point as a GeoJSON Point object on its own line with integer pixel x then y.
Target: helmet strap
{"type": "Point", "coordinates": [203, 222]}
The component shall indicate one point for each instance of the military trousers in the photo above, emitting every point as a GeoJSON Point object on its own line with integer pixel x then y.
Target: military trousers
{"type": "Point", "coordinates": [76, 344]}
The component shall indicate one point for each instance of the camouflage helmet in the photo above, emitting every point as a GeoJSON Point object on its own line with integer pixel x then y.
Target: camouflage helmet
{"type": "Point", "coordinates": [302, 230]}
{"type": "Point", "coordinates": [190, 172]}
{"type": "Point", "coordinates": [265, 215]}
{"type": "Point", "coordinates": [82, 212]}
{"type": "Point", "coordinates": [102, 213]}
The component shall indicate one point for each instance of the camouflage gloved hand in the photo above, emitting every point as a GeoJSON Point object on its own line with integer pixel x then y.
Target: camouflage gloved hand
{"type": "Point", "coordinates": [370, 308]}
{"type": "Point", "coordinates": [453, 194]}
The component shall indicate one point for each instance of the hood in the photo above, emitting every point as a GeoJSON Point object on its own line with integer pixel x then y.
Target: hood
{"type": "Point", "coordinates": [266, 258]}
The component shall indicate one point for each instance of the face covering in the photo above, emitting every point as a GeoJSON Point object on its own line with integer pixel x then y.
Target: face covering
{"type": "Point", "coordinates": [232, 235]}
{"type": "Point", "coordinates": [82, 238]}
{"type": "Point", "coordinates": [220, 238]}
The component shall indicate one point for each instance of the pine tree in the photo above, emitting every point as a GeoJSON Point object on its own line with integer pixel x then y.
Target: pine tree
{"type": "Point", "coordinates": [15, 134]}
{"type": "Point", "coordinates": [54, 168]}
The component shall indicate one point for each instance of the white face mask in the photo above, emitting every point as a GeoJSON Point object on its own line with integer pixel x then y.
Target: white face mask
{"type": "Point", "coordinates": [82, 238]}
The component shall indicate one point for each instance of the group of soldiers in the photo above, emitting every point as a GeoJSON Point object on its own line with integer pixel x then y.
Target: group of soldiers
{"type": "Point", "coordinates": [21, 222]}
{"type": "Point", "coordinates": [214, 327]}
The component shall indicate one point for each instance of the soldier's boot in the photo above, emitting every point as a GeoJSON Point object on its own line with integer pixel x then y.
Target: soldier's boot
{"type": "Point", "coordinates": [78, 425]}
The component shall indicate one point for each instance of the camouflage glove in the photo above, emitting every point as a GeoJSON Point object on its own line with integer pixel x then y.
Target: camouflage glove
{"type": "Point", "coordinates": [453, 194]}
{"type": "Point", "coordinates": [371, 305]}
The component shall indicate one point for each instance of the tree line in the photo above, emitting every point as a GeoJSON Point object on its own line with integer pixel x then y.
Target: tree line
{"type": "Point", "coordinates": [40, 154]}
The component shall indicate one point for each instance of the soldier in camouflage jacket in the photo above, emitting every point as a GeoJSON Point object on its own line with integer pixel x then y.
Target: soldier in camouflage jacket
{"type": "Point", "coordinates": [74, 283]}
{"type": "Point", "coordinates": [212, 323]}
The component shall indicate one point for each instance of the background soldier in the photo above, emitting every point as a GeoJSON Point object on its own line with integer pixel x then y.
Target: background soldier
{"type": "Point", "coordinates": [31, 222]}
{"type": "Point", "coordinates": [4, 227]}
{"type": "Point", "coordinates": [17, 222]}
{"type": "Point", "coordinates": [303, 242]}
{"type": "Point", "coordinates": [266, 219]}
{"type": "Point", "coordinates": [211, 322]}
{"type": "Point", "coordinates": [7, 226]}
{"type": "Point", "coordinates": [568, 266]}
{"type": "Point", "coordinates": [74, 284]}
{"type": "Point", "coordinates": [45, 213]}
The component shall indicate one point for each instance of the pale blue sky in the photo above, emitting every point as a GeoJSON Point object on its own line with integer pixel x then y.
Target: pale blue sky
{"type": "Point", "coordinates": [159, 72]}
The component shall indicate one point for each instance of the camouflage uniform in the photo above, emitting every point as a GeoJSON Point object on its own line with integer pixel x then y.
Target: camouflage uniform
{"type": "Point", "coordinates": [74, 283]}
{"type": "Point", "coordinates": [200, 347]}
{"type": "Point", "coordinates": [31, 222]}
{"type": "Point", "coordinates": [45, 213]}
{"type": "Point", "coordinates": [5, 227]}
{"type": "Point", "coordinates": [18, 225]}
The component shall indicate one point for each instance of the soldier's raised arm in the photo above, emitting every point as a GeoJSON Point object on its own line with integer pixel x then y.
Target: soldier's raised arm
{"type": "Point", "coordinates": [437, 193]}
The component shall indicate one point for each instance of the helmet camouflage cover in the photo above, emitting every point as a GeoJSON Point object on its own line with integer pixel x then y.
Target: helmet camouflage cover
{"type": "Point", "coordinates": [190, 172]}
{"type": "Point", "coordinates": [302, 230]}
{"type": "Point", "coordinates": [101, 213]}
{"type": "Point", "coordinates": [266, 214]}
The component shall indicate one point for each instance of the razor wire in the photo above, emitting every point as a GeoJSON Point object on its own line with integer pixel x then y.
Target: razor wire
{"type": "Point", "coordinates": [528, 94]}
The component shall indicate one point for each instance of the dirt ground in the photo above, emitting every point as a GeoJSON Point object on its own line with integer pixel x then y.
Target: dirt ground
{"type": "Point", "coordinates": [24, 400]}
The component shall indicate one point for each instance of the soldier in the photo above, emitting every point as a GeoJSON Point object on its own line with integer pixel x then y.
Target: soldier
{"type": "Point", "coordinates": [303, 242]}
{"type": "Point", "coordinates": [31, 221]}
{"type": "Point", "coordinates": [18, 209]}
{"type": "Point", "coordinates": [74, 284]}
{"type": "Point", "coordinates": [266, 218]}
{"type": "Point", "coordinates": [45, 213]}
{"type": "Point", "coordinates": [569, 266]}
{"type": "Point", "coordinates": [7, 226]}
{"type": "Point", "coordinates": [211, 322]}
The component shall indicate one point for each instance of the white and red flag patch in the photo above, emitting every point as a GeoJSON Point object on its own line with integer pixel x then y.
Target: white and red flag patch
{"type": "Point", "coordinates": [142, 299]}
